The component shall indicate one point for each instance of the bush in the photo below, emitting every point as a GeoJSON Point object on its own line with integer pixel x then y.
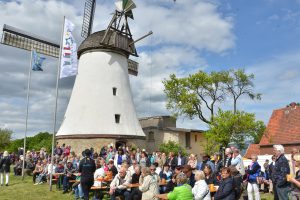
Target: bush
{"type": "Point", "coordinates": [171, 146]}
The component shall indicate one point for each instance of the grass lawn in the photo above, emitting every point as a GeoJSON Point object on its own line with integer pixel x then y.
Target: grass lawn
{"type": "Point", "coordinates": [19, 190]}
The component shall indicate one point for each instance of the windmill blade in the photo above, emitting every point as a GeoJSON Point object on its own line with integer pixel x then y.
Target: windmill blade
{"type": "Point", "coordinates": [24, 40]}
{"type": "Point", "coordinates": [128, 5]}
{"type": "Point", "coordinates": [125, 6]}
{"type": "Point", "coordinates": [88, 18]}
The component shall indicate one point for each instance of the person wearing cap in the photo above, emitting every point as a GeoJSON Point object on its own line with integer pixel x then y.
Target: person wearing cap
{"type": "Point", "coordinates": [5, 168]}
{"type": "Point", "coordinates": [183, 189]}
{"type": "Point", "coordinates": [87, 167]}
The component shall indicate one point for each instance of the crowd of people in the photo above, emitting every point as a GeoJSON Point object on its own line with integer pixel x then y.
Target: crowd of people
{"type": "Point", "coordinates": [180, 176]}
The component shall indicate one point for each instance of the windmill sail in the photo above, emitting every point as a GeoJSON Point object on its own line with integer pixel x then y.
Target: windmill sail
{"type": "Point", "coordinates": [88, 18]}
{"type": "Point", "coordinates": [125, 6]}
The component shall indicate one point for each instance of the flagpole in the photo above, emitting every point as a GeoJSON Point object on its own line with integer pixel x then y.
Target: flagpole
{"type": "Point", "coordinates": [55, 109]}
{"type": "Point", "coordinates": [27, 108]}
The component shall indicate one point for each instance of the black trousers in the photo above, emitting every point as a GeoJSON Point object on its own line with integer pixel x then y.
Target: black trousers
{"type": "Point", "coordinates": [86, 186]}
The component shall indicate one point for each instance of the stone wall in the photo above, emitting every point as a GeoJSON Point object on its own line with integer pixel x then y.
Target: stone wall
{"type": "Point", "coordinates": [79, 145]}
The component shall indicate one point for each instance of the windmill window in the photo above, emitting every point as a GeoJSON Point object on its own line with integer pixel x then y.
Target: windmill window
{"type": "Point", "coordinates": [117, 118]}
{"type": "Point", "coordinates": [114, 91]}
{"type": "Point", "coordinates": [188, 140]}
{"type": "Point", "coordinates": [151, 136]}
{"type": "Point", "coordinates": [196, 138]}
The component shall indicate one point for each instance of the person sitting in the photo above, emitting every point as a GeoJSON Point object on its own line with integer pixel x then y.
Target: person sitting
{"type": "Point", "coordinates": [237, 182]}
{"type": "Point", "coordinates": [210, 177]}
{"type": "Point", "coordinates": [154, 174]}
{"type": "Point", "coordinates": [133, 165]}
{"type": "Point", "coordinates": [112, 168]}
{"type": "Point", "coordinates": [37, 170]}
{"type": "Point", "coordinates": [172, 183]}
{"type": "Point", "coordinates": [18, 167]}
{"type": "Point", "coordinates": [118, 186]}
{"type": "Point", "coordinates": [69, 170]}
{"type": "Point", "coordinates": [42, 176]}
{"type": "Point", "coordinates": [183, 190]}
{"type": "Point", "coordinates": [225, 190]}
{"type": "Point", "coordinates": [200, 190]}
{"type": "Point", "coordinates": [99, 174]}
{"type": "Point", "coordinates": [187, 170]}
{"type": "Point", "coordinates": [149, 187]}
{"type": "Point", "coordinates": [192, 161]}
{"type": "Point", "coordinates": [136, 194]}
{"type": "Point", "coordinates": [166, 173]}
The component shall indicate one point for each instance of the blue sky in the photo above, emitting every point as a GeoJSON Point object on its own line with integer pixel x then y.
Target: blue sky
{"type": "Point", "coordinates": [261, 36]}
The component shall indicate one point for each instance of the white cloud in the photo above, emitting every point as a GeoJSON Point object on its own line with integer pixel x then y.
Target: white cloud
{"type": "Point", "coordinates": [182, 33]}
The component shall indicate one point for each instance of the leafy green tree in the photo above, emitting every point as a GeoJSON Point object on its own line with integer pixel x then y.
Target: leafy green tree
{"type": "Point", "coordinates": [233, 127]}
{"type": "Point", "coordinates": [42, 139]}
{"type": "Point", "coordinates": [239, 83]}
{"type": "Point", "coordinates": [171, 146]}
{"type": "Point", "coordinates": [191, 96]}
{"type": "Point", "coordinates": [201, 92]}
{"type": "Point", "coordinates": [5, 137]}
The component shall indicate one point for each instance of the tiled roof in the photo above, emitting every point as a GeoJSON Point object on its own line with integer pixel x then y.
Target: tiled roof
{"type": "Point", "coordinates": [252, 149]}
{"type": "Point", "coordinates": [283, 128]}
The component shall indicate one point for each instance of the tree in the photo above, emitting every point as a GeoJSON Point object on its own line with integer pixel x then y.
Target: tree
{"type": "Point", "coordinates": [191, 96]}
{"type": "Point", "coordinates": [5, 137]}
{"type": "Point", "coordinates": [171, 146]}
{"type": "Point", "coordinates": [238, 84]}
{"type": "Point", "coordinates": [42, 139]}
{"type": "Point", "coordinates": [201, 92]}
{"type": "Point", "coordinates": [233, 127]}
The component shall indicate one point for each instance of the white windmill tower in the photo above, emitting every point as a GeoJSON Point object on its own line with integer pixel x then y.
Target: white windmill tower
{"type": "Point", "coordinates": [101, 109]}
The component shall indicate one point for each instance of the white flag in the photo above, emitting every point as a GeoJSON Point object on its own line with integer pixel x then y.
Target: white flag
{"type": "Point", "coordinates": [68, 65]}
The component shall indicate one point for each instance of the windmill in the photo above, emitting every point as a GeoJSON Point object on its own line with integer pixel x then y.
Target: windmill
{"type": "Point", "coordinates": [101, 109]}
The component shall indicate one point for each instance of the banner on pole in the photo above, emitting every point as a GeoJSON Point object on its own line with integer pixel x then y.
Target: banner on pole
{"type": "Point", "coordinates": [37, 61]}
{"type": "Point", "coordinates": [68, 65]}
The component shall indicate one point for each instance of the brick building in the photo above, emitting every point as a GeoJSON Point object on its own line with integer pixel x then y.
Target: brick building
{"type": "Point", "coordinates": [283, 128]}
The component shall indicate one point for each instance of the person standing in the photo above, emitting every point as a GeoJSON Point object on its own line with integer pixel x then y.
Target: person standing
{"type": "Point", "coordinates": [281, 169]}
{"type": "Point", "coordinates": [295, 182]}
{"type": "Point", "coordinates": [181, 160]}
{"type": "Point", "coordinates": [237, 161]}
{"type": "Point", "coordinates": [5, 168]}
{"type": "Point", "coordinates": [87, 167]}
{"type": "Point", "coordinates": [253, 172]}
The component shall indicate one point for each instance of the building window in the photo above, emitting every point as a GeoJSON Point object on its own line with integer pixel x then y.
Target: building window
{"type": "Point", "coordinates": [188, 140]}
{"type": "Point", "coordinates": [114, 91]}
{"type": "Point", "coordinates": [117, 118]}
{"type": "Point", "coordinates": [151, 136]}
{"type": "Point", "coordinates": [196, 138]}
